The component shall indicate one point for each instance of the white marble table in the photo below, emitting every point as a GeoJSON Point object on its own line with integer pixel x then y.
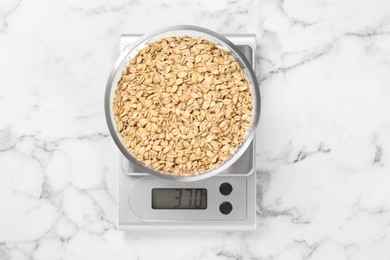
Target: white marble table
{"type": "Point", "coordinates": [323, 141]}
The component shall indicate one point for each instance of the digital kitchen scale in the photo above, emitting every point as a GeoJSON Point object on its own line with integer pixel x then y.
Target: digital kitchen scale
{"type": "Point", "coordinates": [225, 202]}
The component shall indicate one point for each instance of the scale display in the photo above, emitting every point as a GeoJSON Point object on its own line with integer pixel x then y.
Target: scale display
{"type": "Point", "coordinates": [179, 198]}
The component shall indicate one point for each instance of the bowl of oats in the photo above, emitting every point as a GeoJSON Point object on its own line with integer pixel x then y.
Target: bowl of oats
{"type": "Point", "coordinates": [182, 103]}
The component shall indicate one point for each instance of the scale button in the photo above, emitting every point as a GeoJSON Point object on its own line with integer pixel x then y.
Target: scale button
{"type": "Point", "coordinates": [225, 208]}
{"type": "Point", "coordinates": [225, 188]}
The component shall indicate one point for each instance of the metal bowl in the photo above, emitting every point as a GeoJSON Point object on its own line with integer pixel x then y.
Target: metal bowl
{"type": "Point", "coordinates": [194, 31]}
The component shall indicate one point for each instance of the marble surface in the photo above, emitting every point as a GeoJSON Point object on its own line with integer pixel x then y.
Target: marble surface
{"type": "Point", "coordinates": [323, 144]}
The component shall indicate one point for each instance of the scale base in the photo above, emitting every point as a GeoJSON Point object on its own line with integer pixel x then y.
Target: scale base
{"type": "Point", "coordinates": [135, 191]}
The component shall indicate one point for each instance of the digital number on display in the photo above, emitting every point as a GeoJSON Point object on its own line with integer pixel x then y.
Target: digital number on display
{"type": "Point", "coordinates": [179, 198]}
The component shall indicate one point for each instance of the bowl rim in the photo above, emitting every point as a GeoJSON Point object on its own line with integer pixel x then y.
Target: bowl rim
{"type": "Point", "coordinates": [111, 121]}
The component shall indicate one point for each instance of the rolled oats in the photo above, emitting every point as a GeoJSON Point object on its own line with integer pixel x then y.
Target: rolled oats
{"type": "Point", "coordinates": [183, 106]}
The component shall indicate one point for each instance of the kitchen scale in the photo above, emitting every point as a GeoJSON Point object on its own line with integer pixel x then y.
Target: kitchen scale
{"type": "Point", "coordinates": [225, 202]}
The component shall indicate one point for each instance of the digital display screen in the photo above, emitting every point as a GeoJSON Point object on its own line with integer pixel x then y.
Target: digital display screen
{"type": "Point", "coordinates": [179, 198]}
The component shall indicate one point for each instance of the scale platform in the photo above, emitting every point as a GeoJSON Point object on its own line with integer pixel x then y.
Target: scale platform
{"type": "Point", "coordinates": [225, 202]}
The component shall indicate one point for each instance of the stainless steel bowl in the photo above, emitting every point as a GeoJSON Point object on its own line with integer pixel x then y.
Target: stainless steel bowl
{"type": "Point", "coordinates": [182, 30]}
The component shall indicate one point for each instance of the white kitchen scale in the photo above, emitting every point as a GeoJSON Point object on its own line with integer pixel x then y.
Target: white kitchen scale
{"type": "Point", "coordinates": [225, 202]}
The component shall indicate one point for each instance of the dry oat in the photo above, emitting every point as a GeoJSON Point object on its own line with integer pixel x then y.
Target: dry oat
{"type": "Point", "coordinates": [183, 106]}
